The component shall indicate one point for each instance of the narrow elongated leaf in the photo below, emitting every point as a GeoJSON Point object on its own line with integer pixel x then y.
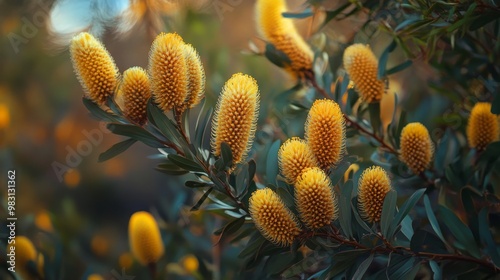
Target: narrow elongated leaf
{"type": "Point", "coordinates": [135, 132]}
{"type": "Point", "coordinates": [272, 161]}
{"type": "Point", "coordinates": [304, 14]}
{"type": "Point", "coordinates": [116, 149]}
{"type": "Point", "coordinates": [229, 228]}
{"type": "Point", "coordinates": [399, 68]}
{"type": "Point", "coordinates": [363, 267]}
{"type": "Point", "coordinates": [405, 209]}
{"type": "Point", "coordinates": [437, 273]}
{"type": "Point", "coordinates": [165, 125]}
{"type": "Point", "coordinates": [432, 218]}
{"type": "Point", "coordinates": [195, 184]}
{"type": "Point", "coordinates": [359, 219]}
{"type": "Point", "coordinates": [345, 209]}
{"type": "Point", "coordinates": [99, 113]}
{"type": "Point", "coordinates": [198, 204]}
{"type": "Point", "coordinates": [185, 163]}
{"type": "Point", "coordinates": [226, 155]}
{"type": "Point", "coordinates": [382, 63]}
{"type": "Point", "coordinates": [486, 237]}
{"type": "Point", "coordinates": [388, 210]}
{"type": "Point", "coordinates": [276, 56]}
{"type": "Point", "coordinates": [332, 14]}
{"type": "Point", "coordinates": [461, 232]}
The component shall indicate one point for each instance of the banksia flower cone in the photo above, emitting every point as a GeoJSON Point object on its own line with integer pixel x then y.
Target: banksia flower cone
{"type": "Point", "coordinates": [94, 67]}
{"type": "Point", "coordinates": [272, 218]}
{"type": "Point", "coordinates": [168, 71]}
{"type": "Point", "coordinates": [236, 115]}
{"type": "Point", "coordinates": [144, 238]}
{"type": "Point", "coordinates": [196, 74]}
{"type": "Point", "coordinates": [134, 94]}
{"type": "Point", "coordinates": [416, 147]}
{"type": "Point", "coordinates": [373, 186]}
{"type": "Point", "coordinates": [294, 157]}
{"type": "Point", "coordinates": [315, 199]}
{"type": "Point", "coordinates": [362, 67]}
{"type": "Point", "coordinates": [281, 32]}
{"type": "Point", "coordinates": [482, 128]}
{"type": "Point", "coordinates": [325, 132]}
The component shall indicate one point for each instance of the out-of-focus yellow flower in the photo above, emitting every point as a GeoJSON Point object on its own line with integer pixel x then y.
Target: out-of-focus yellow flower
{"type": "Point", "coordinates": [126, 260]}
{"type": "Point", "coordinates": [325, 132]}
{"type": "Point", "coordinates": [95, 277]}
{"type": "Point", "coordinates": [4, 116]}
{"type": "Point", "coordinates": [272, 218]}
{"type": "Point", "coordinates": [281, 32]}
{"type": "Point", "coordinates": [94, 67]}
{"type": "Point", "coordinates": [99, 245]}
{"type": "Point", "coordinates": [483, 127]}
{"type": "Point", "coordinates": [315, 198]}
{"type": "Point", "coordinates": [294, 157]}
{"type": "Point", "coordinates": [353, 168]}
{"type": "Point", "coordinates": [373, 186]}
{"type": "Point", "coordinates": [416, 147]}
{"type": "Point", "coordinates": [72, 178]}
{"type": "Point", "coordinates": [145, 238]}
{"type": "Point", "coordinates": [236, 116]}
{"type": "Point", "coordinates": [190, 264]}
{"type": "Point", "coordinates": [362, 67]}
{"type": "Point", "coordinates": [43, 221]}
{"type": "Point", "coordinates": [25, 252]}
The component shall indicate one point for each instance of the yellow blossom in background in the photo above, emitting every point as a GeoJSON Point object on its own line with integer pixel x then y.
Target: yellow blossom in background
{"type": "Point", "coordinates": [190, 263]}
{"type": "Point", "coordinates": [272, 218]}
{"type": "Point", "coordinates": [95, 277]}
{"type": "Point", "coordinates": [134, 94]}
{"type": "Point", "coordinates": [315, 199]}
{"type": "Point", "coordinates": [353, 168]}
{"type": "Point", "coordinates": [417, 148]}
{"type": "Point", "coordinates": [482, 127]}
{"type": "Point", "coordinates": [168, 71]}
{"type": "Point", "coordinates": [126, 260]}
{"type": "Point", "coordinates": [281, 32]}
{"type": "Point", "coordinates": [25, 252]}
{"type": "Point", "coordinates": [72, 178]}
{"type": "Point", "coordinates": [295, 156]}
{"type": "Point", "coordinates": [362, 67]}
{"type": "Point", "coordinates": [144, 238]}
{"type": "Point", "coordinates": [43, 221]}
{"type": "Point", "coordinates": [99, 245]}
{"type": "Point", "coordinates": [4, 116]}
{"type": "Point", "coordinates": [325, 132]}
{"type": "Point", "coordinates": [373, 186]}
{"type": "Point", "coordinates": [94, 67]}
{"type": "Point", "coordinates": [236, 116]}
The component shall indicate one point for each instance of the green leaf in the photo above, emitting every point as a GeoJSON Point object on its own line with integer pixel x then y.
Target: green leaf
{"type": "Point", "coordinates": [432, 218]}
{"type": "Point", "coordinates": [436, 270]}
{"type": "Point", "coordinates": [278, 263]}
{"type": "Point", "coordinates": [407, 22]}
{"type": "Point", "coordinates": [399, 68]}
{"type": "Point", "coordinates": [461, 232]}
{"type": "Point", "coordinates": [486, 237]}
{"type": "Point", "coordinates": [198, 204]}
{"type": "Point", "coordinates": [242, 179]}
{"type": "Point", "coordinates": [363, 267]}
{"type": "Point", "coordinates": [185, 163]}
{"type": "Point", "coordinates": [495, 105]}
{"type": "Point", "coordinates": [305, 14]}
{"type": "Point", "coordinates": [99, 113]}
{"type": "Point", "coordinates": [388, 210]}
{"type": "Point", "coordinates": [332, 14]}
{"type": "Point", "coordinates": [272, 161]}
{"type": "Point", "coordinates": [229, 229]}
{"type": "Point", "coordinates": [374, 109]}
{"type": "Point", "coordinates": [195, 184]}
{"type": "Point", "coordinates": [135, 132]}
{"type": "Point", "coordinates": [359, 219]}
{"type": "Point", "coordinates": [226, 155]}
{"type": "Point", "coordinates": [338, 172]}
{"type": "Point", "coordinates": [202, 123]}
{"type": "Point", "coordinates": [286, 197]}
{"type": "Point", "coordinates": [424, 241]}
{"type": "Point", "coordinates": [401, 125]}
{"type": "Point", "coordinates": [382, 63]}
{"type": "Point", "coordinates": [276, 56]}
{"type": "Point", "coordinates": [405, 209]}
{"type": "Point", "coordinates": [165, 125]}
{"type": "Point", "coordinates": [116, 149]}
{"type": "Point", "coordinates": [345, 209]}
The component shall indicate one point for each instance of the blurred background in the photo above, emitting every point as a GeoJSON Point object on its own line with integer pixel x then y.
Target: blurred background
{"type": "Point", "coordinates": [49, 138]}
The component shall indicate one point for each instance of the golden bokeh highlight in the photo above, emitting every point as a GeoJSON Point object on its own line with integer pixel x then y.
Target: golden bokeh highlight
{"type": "Point", "coordinates": [99, 245]}
{"type": "Point", "coordinates": [190, 263]}
{"type": "Point", "coordinates": [272, 218]}
{"type": "Point", "coordinates": [144, 238]}
{"type": "Point", "coordinates": [315, 199]}
{"type": "Point", "coordinates": [294, 156]}
{"type": "Point", "coordinates": [362, 67]}
{"type": "Point", "coordinates": [126, 260]}
{"type": "Point", "coordinates": [482, 127]}
{"type": "Point", "coordinates": [72, 178]}
{"type": "Point", "coordinates": [417, 148]}
{"type": "Point", "coordinates": [95, 276]}
{"type": "Point", "coordinates": [43, 221]}
{"type": "Point", "coordinates": [235, 116]}
{"type": "Point", "coordinates": [4, 116]}
{"type": "Point", "coordinates": [373, 186]}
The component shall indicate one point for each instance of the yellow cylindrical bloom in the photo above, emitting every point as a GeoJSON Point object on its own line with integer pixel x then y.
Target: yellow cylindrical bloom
{"type": "Point", "coordinates": [94, 67]}
{"type": "Point", "coordinates": [483, 127]}
{"type": "Point", "coordinates": [325, 132]}
{"type": "Point", "coordinates": [134, 94]}
{"type": "Point", "coordinates": [25, 252]}
{"type": "Point", "coordinates": [281, 32]}
{"type": "Point", "coordinates": [144, 237]}
{"type": "Point", "coordinates": [416, 147]}
{"type": "Point", "coordinates": [235, 116]}
{"type": "Point", "coordinates": [362, 67]}
{"type": "Point", "coordinates": [373, 186]}
{"type": "Point", "coordinates": [315, 199]}
{"type": "Point", "coordinates": [272, 218]}
{"type": "Point", "coordinates": [196, 74]}
{"type": "Point", "coordinates": [294, 157]}
{"type": "Point", "coordinates": [168, 71]}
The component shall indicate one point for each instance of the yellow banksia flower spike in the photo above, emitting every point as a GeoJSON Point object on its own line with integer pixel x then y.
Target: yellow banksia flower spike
{"type": "Point", "coordinates": [373, 186]}
{"type": "Point", "coordinates": [168, 71]}
{"type": "Point", "coordinates": [25, 252]}
{"type": "Point", "coordinates": [482, 127]}
{"type": "Point", "coordinates": [94, 67]}
{"type": "Point", "coordinates": [295, 156]}
{"type": "Point", "coordinates": [315, 199]}
{"type": "Point", "coordinates": [235, 116]}
{"type": "Point", "coordinates": [272, 218]}
{"type": "Point", "coordinates": [196, 74]}
{"type": "Point", "coordinates": [133, 95]}
{"type": "Point", "coordinates": [281, 32]}
{"type": "Point", "coordinates": [325, 132]}
{"type": "Point", "coordinates": [144, 237]}
{"type": "Point", "coordinates": [416, 147]}
{"type": "Point", "coordinates": [362, 67]}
